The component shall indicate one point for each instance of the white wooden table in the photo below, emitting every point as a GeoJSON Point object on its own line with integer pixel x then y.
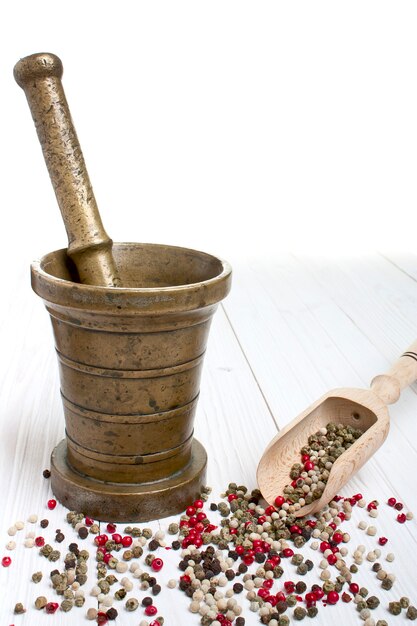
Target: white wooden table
{"type": "Point", "coordinates": [291, 329]}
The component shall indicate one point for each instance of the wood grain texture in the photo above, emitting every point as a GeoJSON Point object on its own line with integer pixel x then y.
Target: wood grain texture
{"type": "Point", "coordinates": [292, 329]}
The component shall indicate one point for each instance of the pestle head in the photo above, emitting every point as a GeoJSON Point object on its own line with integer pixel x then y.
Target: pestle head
{"type": "Point", "coordinates": [37, 66]}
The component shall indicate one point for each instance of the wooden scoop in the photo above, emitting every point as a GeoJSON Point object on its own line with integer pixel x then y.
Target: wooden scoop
{"type": "Point", "coordinates": [89, 246]}
{"type": "Point", "coordinates": [361, 408]}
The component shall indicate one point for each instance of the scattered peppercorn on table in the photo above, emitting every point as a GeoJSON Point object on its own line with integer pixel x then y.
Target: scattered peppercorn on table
{"type": "Point", "coordinates": [292, 328]}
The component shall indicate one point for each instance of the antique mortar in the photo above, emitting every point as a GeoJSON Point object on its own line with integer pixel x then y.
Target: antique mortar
{"type": "Point", "coordinates": [130, 323]}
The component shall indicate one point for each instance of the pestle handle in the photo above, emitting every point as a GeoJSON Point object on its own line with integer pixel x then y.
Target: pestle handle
{"type": "Point", "coordinates": [404, 372]}
{"type": "Point", "coordinates": [89, 246]}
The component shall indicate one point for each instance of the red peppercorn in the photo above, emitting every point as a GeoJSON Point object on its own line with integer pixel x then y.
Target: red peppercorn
{"type": "Point", "coordinates": [232, 496]}
{"type": "Point", "coordinates": [89, 521]}
{"type": "Point", "coordinates": [51, 607]}
{"type": "Point", "coordinates": [185, 578]}
{"type": "Point", "coordinates": [261, 519]}
{"type": "Point", "coordinates": [401, 518]}
{"type": "Point", "coordinates": [269, 510]}
{"type": "Point", "coordinates": [289, 586]}
{"type": "Point", "coordinates": [116, 538]}
{"type": "Point", "coordinates": [358, 496]}
{"type": "Point", "coordinates": [192, 521]}
{"type": "Point", "coordinates": [263, 593]}
{"type": "Point", "coordinates": [107, 557]}
{"type": "Point", "coordinates": [279, 501]}
{"type": "Point", "coordinates": [151, 610]}
{"type": "Point", "coordinates": [210, 528]}
{"type": "Point", "coordinates": [201, 516]}
{"type": "Point", "coordinates": [325, 545]}
{"type": "Point", "coordinates": [294, 529]}
{"type": "Point", "coordinates": [6, 561]}
{"type": "Point", "coordinates": [111, 528]}
{"type": "Point", "coordinates": [287, 553]}
{"type": "Point", "coordinates": [51, 504]}
{"type": "Point", "coordinates": [198, 542]}
{"type": "Point", "coordinates": [248, 560]}
{"type": "Point", "coordinates": [198, 504]}
{"type": "Point", "coordinates": [272, 600]}
{"type": "Point", "coordinates": [311, 597]}
{"type": "Point", "coordinates": [372, 505]}
{"type": "Point", "coordinates": [239, 550]}
{"type": "Point", "coordinates": [332, 525]}
{"type": "Point", "coordinates": [354, 588]}
{"type": "Point", "coordinates": [184, 523]}
{"type": "Point", "coordinates": [382, 541]}
{"type": "Point", "coordinates": [280, 597]}
{"type": "Point", "coordinates": [102, 618]}
{"type": "Point", "coordinates": [332, 559]}
{"type": "Point", "coordinates": [337, 537]}
{"type": "Point", "coordinates": [155, 622]}
{"type": "Point", "coordinates": [40, 541]}
{"type": "Point", "coordinates": [305, 458]}
{"type": "Point", "coordinates": [127, 541]}
{"type": "Point", "coordinates": [346, 597]}
{"type": "Point", "coordinates": [101, 540]}
{"type": "Point", "coordinates": [157, 565]}
{"type": "Point", "coordinates": [319, 593]}
{"type": "Point", "coordinates": [341, 516]}
{"type": "Point", "coordinates": [268, 583]}
{"type": "Point", "coordinates": [190, 511]}
{"type": "Point", "coordinates": [309, 465]}
{"type": "Point", "coordinates": [399, 506]}
{"type": "Point", "coordinates": [391, 501]}
{"type": "Point", "coordinates": [332, 597]}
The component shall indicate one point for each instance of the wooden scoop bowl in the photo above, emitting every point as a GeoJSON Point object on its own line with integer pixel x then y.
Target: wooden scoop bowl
{"type": "Point", "coordinates": [362, 408]}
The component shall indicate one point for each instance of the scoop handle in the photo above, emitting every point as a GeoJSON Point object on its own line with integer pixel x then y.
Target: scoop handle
{"type": "Point", "coordinates": [89, 246]}
{"type": "Point", "coordinates": [404, 372]}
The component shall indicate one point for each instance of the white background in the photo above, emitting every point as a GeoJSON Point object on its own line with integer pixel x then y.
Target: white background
{"type": "Point", "coordinates": [240, 128]}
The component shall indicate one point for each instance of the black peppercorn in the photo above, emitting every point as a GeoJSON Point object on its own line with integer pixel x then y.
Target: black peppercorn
{"type": "Point", "coordinates": [175, 545]}
{"type": "Point", "coordinates": [46, 473]}
{"type": "Point", "coordinates": [83, 532]}
{"type": "Point", "coordinates": [156, 589]}
{"type": "Point", "coordinates": [147, 601]}
{"type": "Point", "coordinates": [238, 587]}
{"type": "Point", "coordinates": [44, 523]}
{"type": "Point", "coordinates": [112, 613]}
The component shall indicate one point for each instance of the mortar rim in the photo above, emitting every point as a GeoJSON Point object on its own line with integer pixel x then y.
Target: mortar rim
{"type": "Point", "coordinates": [184, 296]}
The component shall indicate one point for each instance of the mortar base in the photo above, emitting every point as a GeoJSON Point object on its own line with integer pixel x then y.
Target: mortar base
{"type": "Point", "coordinates": [118, 502]}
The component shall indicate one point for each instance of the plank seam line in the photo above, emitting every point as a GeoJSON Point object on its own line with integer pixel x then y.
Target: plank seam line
{"type": "Point", "coordinates": [250, 366]}
{"type": "Point", "coordinates": [397, 266]}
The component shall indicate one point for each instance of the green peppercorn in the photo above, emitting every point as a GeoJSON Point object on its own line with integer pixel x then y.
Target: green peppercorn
{"type": "Point", "coordinates": [19, 608]}
{"type": "Point", "coordinates": [312, 611]}
{"type": "Point", "coordinates": [37, 577]}
{"type": "Point", "coordinates": [381, 622]}
{"type": "Point", "coordinates": [67, 605]}
{"type": "Point", "coordinates": [411, 612]}
{"type": "Point", "coordinates": [404, 602]}
{"type": "Point", "coordinates": [299, 613]}
{"type": "Point", "coordinates": [291, 600]}
{"type": "Point", "coordinates": [300, 587]}
{"type": "Point", "coordinates": [79, 601]}
{"type": "Point", "coordinates": [363, 592]}
{"type": "Point", "coordinates": [394, 608]}
{"type": "Point", "coordinates": [284, 620]}
{"type": "Point", "coordinates": [372, 602]}
{"type": "Point", "coordinates": [387, 584]}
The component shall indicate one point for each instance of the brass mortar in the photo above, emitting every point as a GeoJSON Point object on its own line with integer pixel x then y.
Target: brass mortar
{"type": "Point", "coordinates": [130, 361]}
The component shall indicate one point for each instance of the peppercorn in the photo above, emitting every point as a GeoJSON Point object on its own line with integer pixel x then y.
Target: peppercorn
{"type": "Point", "coordinates": [156, 589]}
{"type": "Point", "coordinates": [372, 602]}
{"type": "Point", "coordinates": [363, 592]}
{"type": "Point", "coordinates": [44, 523]}
{"type": "Point", "coordinates": [238, 588]}
{"type": "Point", "coordinates": [394, 608]}
{"type": "Point", "coordinates": [19, 608]}
{"type": "Point", "coordinates": [404, 602]}
{"type": "Point", "coordinates": [387, 584]}
{"type": "Point", "coordinates": [300, 587]}
{"type": "Point", "coordinates": [312, 611]}
{"type": "Point", "coordinates": [291, 600]}
{"type": "Point", "coordinates": [40, 602]}
{"type": "Point", "coordinates": [112, 613]}
{"type": "Point", "coordinates": [381, 622]}
{"type": "Point", "coordinates": [411, 612]}
{"type": "Point", "coordinates": [83, 532]}
{"type": "Point", "coordinates": [131, 604]}
{"type": "Point", "coordinates": [120, 594]}
{"type": "Point", "coordinates": [37, 577]}
{"type": "Point", "coordinates": [67, 605]}
{"type": "Point", "coordinates": [147, 601]}
{"type": "Point", "coordinates": [299, 613]}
